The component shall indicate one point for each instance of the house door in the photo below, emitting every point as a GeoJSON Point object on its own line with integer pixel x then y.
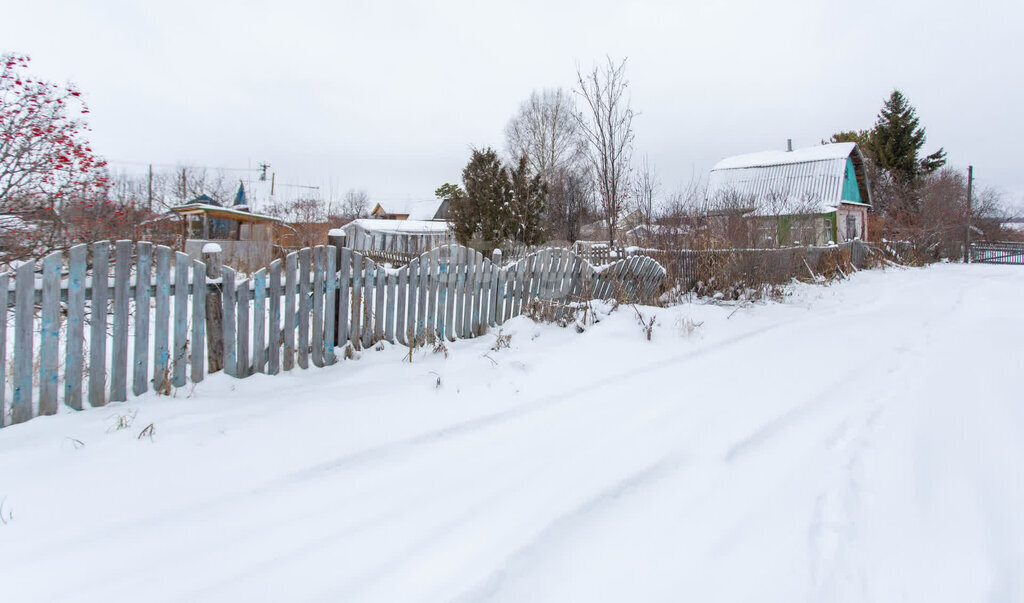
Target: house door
{"type": "Point", "coordinates": [851, 227]}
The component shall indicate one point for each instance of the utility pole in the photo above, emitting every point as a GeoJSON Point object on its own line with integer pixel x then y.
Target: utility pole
{"type": "Point", "coordinates": [149, 198]}
{"type": "Point", "coordinates": [967, 230]}
{"type": "Point", "coordinates": [184, 189]}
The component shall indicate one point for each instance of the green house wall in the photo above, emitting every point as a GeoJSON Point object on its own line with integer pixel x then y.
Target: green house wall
{"type": "Point", "coordinates": [851, 192]}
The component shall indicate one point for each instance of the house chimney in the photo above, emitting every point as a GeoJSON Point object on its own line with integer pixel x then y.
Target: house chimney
{"type": "Point", "coordinates": [789, 145]}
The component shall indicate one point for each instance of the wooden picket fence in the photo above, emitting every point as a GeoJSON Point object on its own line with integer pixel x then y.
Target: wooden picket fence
{"type": "Point", "coordinates": [185, 318]}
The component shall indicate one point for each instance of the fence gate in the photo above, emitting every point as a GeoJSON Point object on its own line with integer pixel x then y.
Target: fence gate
{"type": "Point", "coordinates": [998, 253]}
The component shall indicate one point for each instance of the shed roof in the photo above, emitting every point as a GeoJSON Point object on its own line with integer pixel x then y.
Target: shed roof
{"type": "Point", "coordinates": [225, 213]}
{"type": "Point", "coordinates": [798, 181]}
{"type": "Point", "coordinates": [416, 210]}
{"type": "Point", "coordinates": [393, 226]}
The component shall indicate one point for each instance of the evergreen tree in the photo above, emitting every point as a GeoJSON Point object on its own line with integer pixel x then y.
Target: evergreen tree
{"type": "Point", "coordinates": [488, 196]}
{"type": "Point", "coordinates": [528, 204]}
{"type": "Point", "coordinates": [897, 139]}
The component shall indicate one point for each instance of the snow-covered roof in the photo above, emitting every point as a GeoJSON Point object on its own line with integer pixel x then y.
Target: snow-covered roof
{"type": "Point", "coordinates": [216, 211]}
{"type": "Point", "coordinates": [392, 226]}
{"type": "Point", "coordinates": [416, 210]}
{"type": "Point", "coordinates": [779, 182]}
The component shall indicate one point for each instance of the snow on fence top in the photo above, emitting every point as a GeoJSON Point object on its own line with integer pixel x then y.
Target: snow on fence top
{"type": "Point", "coordinates": [391, 227]}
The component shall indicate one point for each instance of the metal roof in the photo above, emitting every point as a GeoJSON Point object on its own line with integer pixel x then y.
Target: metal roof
{"type": "Point", "coordinates": [806, 180]}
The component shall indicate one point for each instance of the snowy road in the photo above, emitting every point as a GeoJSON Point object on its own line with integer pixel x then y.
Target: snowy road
{"type": "Point", "coordinates": [859, 442]}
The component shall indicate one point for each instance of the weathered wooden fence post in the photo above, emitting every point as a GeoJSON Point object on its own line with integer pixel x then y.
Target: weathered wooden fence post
{"type": "Point", "coordinates": [214, 313]}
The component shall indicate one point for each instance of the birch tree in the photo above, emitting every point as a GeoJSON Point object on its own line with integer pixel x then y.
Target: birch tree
{"type": "Point", "coordinates": [606, 124]}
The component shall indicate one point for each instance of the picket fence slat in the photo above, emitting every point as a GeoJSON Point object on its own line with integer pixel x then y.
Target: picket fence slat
{"type": "Point", "coordinates": [229, 303]}
{"type": "Point", "coordinates": [274, 335]}
{"type": "Point", "coordinates": [318, 306]}
{"type": "Point", "coordinates": [74, 348]}
{"type": "Point", "coordinates": [24, 319]}
{"type": "Point", "coordinates": [242, 330]}
{"type": "Point", "coordinates": [98, 324]}
{"type": "Point", "coordinates": [198, 320]}
{"type": "Point", "coordinates": [259, 321]}
{"type": "Point", "coordinates": [369, 275]}
{"type": "Point", "coordinates": [288, 328]}
{"type": "Point", "coordinates": [355, 333]}
{"type": "Point", "coordinates": [4, 279]}
{"type": "Point", "coordinates": [304, 307]}
{"type": "Point", "coordinates": [161, 316]}
{"type": "Point", "coordinates": [400, 314]}
{"type": "Point", "coordinates": [49, 333]}
{"type": "Point", "coordinates": [119, 341]}
{"type": "Point", "coordinates": [344, 295]}
{"type": "Point", "coordinates": [140, 351]}
{"type": "Point", "coordinates": [180, 359]}
{"type": "Point", "coordinates": [330, 297]}
{"type": "Point", "coordinates": [379, 278]}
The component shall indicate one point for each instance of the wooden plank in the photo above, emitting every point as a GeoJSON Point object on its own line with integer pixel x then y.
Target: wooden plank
{"type": "Point", "coordinates": [450, 287]}
{"type": "Point", "coordinates": [410, 321]}
{"type": "Point", "coordinates": [161, 351]}
{"type": "Point", "coordinates": [274, 335]}
{"type": "Point", "coordinates": [330, 302]}
{"type": "Point", "coordinates": [291, 262]}
{"type": "Point", "coordinates": [432, 276]}
{"type": "Point", "coordinates": [24, 328]}
{"type": "Point", "coordinates": [140, 351]}
{"type": "Point", "coordinates": [179, 361]}
{"type": "Point", "coordinates": [400, 312]}
{"type": "Point", "coordinates": [242, 293]}
{"type": "Point", "coordinates": [198, 320]}
{"type": "Point", "coordinates": [459, 297]}
{"type": "Point", "coordinates": [319, 279]}
{"type": "Point", "coordinates": [441, 309]}
{"type": "Point", "coordinates": [98, 324]}
{"type": "Point", "coordinates": [510, 286]}
{"type": "Point", "coordinates": [4, 280]}
{"type": "Point", "coordinates": [119, 340]}
{"type": "Point", "coordinates": [478, 307]}
{"type": "Point", "coordinates": [389, 319]}
{"type": "Point", "coordinates": [355, 333]}
{"type": "Point", "coordinates": [229, 304]}
{"type": "Point", "coordinates": [344, 295]}
{"type": "Point", "coordinates": [49, 333]}
{"type": "Point", "coordinates": [422, 288]}
{"type": "Point", "coordinates": [259, 321]}
{"type": "Point", "coordinates": [74, 358]}
{"type": "Point", "coordinates": [469, 326]}
{"type": "Point", "coordinates": [380, 278]}
{"type": "Point", "coordinates": [214, 303]}
{"type": "Point", "coordinates": [304, 307]}
{"type": "Point", "coordinates": [369, 274]}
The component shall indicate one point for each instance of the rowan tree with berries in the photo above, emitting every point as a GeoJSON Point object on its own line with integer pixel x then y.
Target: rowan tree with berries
{"type": "Point", "coordinates": [50, 178]}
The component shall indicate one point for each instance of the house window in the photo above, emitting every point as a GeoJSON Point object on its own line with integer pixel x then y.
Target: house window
{"type": "Point", "coordinates": [851, 227]}
{"type": "Point", "coordinates": [827, 231]}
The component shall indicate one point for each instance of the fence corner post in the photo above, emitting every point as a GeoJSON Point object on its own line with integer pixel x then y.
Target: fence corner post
{"type": "Point", "coordinates": [496, 257]}
{"type": "Point", "coordinates": [213, 258]}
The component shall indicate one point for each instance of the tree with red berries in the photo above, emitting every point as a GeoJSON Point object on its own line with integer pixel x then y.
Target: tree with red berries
{"type": "Point", "coordinates": [46, 164]}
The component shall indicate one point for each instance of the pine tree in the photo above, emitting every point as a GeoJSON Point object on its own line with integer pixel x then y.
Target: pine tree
{"type": "Point", "coordinates": [528, 204]}
{"type": "Point", "coordinates": [462, 218]}
{"type": "Point", "coordinates": [897, 139]}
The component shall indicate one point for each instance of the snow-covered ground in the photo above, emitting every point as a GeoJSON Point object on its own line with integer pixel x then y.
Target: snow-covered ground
{"type": "Point", "coordinates": [859, 442]}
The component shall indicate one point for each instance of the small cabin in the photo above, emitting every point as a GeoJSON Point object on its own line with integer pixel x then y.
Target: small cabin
{"type": "Point", "coordinates": [811, 196]}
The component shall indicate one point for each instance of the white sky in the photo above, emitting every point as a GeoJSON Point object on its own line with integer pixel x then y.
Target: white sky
{"type": "Point", "coordinates": [391, 96]}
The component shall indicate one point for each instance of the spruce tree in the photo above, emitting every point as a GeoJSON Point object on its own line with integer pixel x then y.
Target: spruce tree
{"type": "Point", "coordinates": [896, 141]}
{"type": "Point", "coordinates": [460, 215]}
{"type": "Point", "coordinates": [528, 204]}
{"type": "Point", "coordinates": [487, 202]}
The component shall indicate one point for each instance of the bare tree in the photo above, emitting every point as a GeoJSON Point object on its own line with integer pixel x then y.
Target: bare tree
{"type": "Point", "coordinates": [570, 202]}
{"type": "Point", "coordinates": [607, 125]}
{"type": "Point", "coordinates": [546, 132]}
{"type": "Point", "coordinates": [355, 204]}
{"type": "Point", "coordinates": [645, 187]}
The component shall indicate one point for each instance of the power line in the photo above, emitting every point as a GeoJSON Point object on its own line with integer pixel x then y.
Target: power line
{"type": "Point", "coordinates": [180, 165]}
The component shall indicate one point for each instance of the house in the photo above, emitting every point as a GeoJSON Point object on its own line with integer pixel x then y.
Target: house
{"type": "Point", "coordinates": [246, 239]}
{"type": "Point", "coordinates": [397, 236]}
{"type": "Point", "coordinates": [810, 196]}
{"type": "Point", "coordinates": [433, 209]}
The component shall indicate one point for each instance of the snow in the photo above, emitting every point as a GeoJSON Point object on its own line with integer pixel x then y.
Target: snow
{"type": "Point", "coordinates": [858, 442]}
{"type": "Point", "coordinates": [375, 226]}
{"type": "Point", "coordinates": [212, 248]}
{"type": "Point", "coordinates": [416, 210]}
{"type": "Point", "coordinates": [822, 152]}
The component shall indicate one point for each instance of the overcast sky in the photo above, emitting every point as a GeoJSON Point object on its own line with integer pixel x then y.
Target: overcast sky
{"type": "Point", "coordinates": [391, 97]}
